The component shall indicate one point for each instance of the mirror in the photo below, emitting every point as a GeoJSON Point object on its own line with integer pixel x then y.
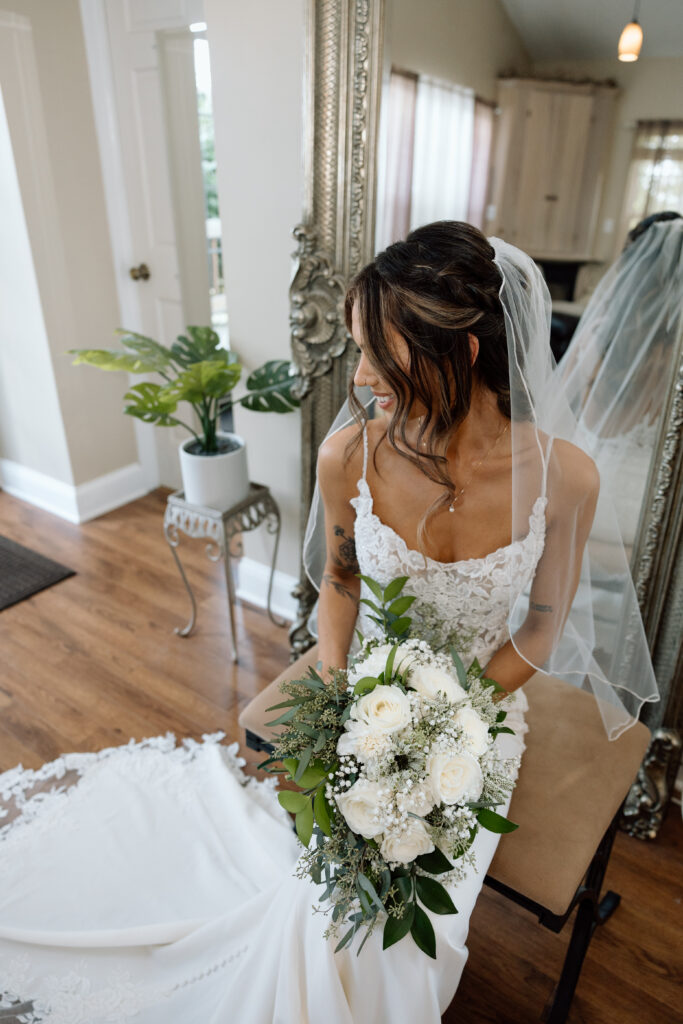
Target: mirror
{"type": "Point", "coordinates": [532, 130]}
{"type": "Point", "coordinates": [608, 134]}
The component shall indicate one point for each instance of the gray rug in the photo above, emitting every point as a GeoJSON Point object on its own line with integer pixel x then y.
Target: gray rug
{"type": "Point", "coordinates": [24, 572]}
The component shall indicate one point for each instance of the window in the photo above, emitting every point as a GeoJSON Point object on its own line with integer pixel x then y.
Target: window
{"type": "Point", "coordinates": [655, 181]}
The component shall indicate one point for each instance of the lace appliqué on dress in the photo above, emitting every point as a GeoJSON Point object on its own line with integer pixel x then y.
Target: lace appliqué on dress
{"type": "Point", "coordinates": [472, 595]}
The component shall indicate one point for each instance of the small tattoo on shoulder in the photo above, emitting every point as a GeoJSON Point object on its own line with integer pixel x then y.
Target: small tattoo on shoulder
{"type": "Point", "coordinates": [540, 607]}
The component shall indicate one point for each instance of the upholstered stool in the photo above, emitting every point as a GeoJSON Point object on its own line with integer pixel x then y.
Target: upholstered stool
{"type": "Point", "coordinates": [571, 786]}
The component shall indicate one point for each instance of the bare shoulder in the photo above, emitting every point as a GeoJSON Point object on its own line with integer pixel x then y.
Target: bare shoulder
{"type": "Point", "coordinates": [340, 459]}
{"type": "Point", "coordinates": [573, 475]}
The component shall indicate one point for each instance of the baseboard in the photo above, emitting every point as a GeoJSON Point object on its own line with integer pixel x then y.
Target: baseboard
{"type": "Point", "coordinates": [252, 577]}
{"type": "Point", "coordinates": [76, 504]}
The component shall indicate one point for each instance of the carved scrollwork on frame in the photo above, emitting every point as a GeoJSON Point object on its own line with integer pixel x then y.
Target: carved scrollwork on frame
{"type": "Point", "coordinates": [649, 796]}
{"type": "Point", "coordinates": [336, 236]}
{"type": "Point", "coordinates": [316, 310]}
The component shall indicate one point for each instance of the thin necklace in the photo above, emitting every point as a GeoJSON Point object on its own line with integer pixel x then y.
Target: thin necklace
{"type": "Point", "coordinates": [459, 493]}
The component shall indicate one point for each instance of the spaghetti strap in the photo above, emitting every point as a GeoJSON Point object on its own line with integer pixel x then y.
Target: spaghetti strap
{"type": "Point", "coordinates": [365, 450]}
{"type": "Point", "coordinates": [546, 460]}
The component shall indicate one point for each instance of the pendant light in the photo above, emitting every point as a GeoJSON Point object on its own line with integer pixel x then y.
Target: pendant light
{"type": "Point", "coordinates": [631, 39]}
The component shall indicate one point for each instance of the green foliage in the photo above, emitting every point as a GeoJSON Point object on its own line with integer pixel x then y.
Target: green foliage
{"type": "Point", "coordinates": [488, 819]}
{"type": "Point", "coordinates": [197, 370]}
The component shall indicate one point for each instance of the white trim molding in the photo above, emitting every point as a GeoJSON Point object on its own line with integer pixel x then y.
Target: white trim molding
{"type": "Point", "coordinates": [251, 580]}
{"type": "Point", "coordinates": [77, 504]}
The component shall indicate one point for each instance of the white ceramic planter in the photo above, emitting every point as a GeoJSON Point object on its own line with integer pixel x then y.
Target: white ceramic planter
{"type": "Point", "coordinates": [215, 481]}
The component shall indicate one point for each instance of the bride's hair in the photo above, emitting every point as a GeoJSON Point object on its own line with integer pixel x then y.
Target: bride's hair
{"type": "Point", "coordinates": [434, 288]}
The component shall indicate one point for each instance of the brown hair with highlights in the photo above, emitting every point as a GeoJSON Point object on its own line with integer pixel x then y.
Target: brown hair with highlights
{"type": "Point", "coordinates": [435, 288]}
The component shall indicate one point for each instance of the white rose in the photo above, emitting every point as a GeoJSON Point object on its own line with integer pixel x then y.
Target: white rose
{"type": "Point", "coordinates": [362, 805]}
{"type": "Point", "coordinates": [429, 680]}
{"type": "Point", "coordinates": [454, 778]}
{"type": "Point", "coordinates": [475, 731]}
{"type": "Point", "coordinates": [371, 665]}
{"type": "Point", "coordinates": [386, 708]}
{"type": "Point", "coordinates": [418, 800]}
{"type": "Point", "coordinates": [401, 846]}
{"type": "Point", "coordinates": [363, 741]}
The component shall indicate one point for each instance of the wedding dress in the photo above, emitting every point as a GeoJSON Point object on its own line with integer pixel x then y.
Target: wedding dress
{"type": "Point", "coordinates": [155, 883]}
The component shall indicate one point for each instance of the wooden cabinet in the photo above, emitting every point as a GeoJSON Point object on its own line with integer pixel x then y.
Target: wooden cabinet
{"type": "Point", "coordinates": [548, 168]}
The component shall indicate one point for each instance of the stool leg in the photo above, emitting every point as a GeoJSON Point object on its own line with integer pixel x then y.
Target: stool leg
{"type": "Point", "coordinates": [591, 912]}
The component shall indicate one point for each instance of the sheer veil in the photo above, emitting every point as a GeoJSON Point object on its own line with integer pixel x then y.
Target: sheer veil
{"type": "Point", "coordinates": [592, 634]}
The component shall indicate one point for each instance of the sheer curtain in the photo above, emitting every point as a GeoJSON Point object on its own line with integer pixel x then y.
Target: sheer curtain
{"type": "Point", "coordinates": [396, 160]}
{"type": "Point", "coordinates": [656, 173]}
{"type": "Point", "coordinates": [484, 114]}
{"type": "Point", "coordinates": [442, 162]}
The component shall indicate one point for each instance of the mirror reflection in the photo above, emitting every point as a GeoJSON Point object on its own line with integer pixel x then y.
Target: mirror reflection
{"type": "Point", "coordinates": [528, 126]}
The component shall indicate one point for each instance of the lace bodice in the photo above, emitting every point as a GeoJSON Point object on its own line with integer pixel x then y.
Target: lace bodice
{"type": "Point", "coordinates": [470, 596]}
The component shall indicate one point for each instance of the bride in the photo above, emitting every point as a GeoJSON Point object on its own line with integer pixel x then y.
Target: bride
{"type": "Point", "coordinates": [155, 883]}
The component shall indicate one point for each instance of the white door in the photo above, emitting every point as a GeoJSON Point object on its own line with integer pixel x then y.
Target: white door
{"type": "Point", "coordinates": [133, 130]}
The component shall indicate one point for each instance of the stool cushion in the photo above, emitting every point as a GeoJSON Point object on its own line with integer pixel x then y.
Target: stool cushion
{"type": "Point", "coordinates": [571, 783]}
{"type": "Point", "coordinates": [254, 716]}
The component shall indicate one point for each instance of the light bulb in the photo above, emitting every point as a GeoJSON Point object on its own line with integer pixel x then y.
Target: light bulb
{"type": "Point", "coordinates": [630, 42]}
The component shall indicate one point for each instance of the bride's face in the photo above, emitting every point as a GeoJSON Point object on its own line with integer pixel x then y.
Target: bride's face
{"type": "Point", "coordinates": [368, 373]}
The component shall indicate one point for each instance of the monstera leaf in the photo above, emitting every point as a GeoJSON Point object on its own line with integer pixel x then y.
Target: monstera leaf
{"type": "Point", "coordinates": [209, 379]}
{"type": "Point", "coordinates": [270, 388]}
{"type": "Point", "coordinates": [203, 345]}
{"type": "Point", "coordinates": [151, 403]}
{"type": "Point", "coordinates": [156, 357]}
{"type": "Point", "coordinates": [112, 359]}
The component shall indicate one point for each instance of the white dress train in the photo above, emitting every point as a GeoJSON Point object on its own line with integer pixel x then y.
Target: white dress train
{"type": "Point", "coordinates": [155, 884]}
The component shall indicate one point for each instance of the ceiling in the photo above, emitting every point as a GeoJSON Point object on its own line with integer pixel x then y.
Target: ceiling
{"type": "Point", "coordinates": [590, 29]}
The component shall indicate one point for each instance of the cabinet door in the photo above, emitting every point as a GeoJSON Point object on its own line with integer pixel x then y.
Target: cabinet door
{"type": "Point", "coordinates": [555, 137]}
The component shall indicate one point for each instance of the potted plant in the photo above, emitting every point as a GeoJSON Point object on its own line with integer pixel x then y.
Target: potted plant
{"type": "Point", "coordinates": [195, 369]}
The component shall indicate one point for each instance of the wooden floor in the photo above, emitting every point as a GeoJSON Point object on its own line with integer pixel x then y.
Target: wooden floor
{"type": "Point", "coordinates": [94, 660]}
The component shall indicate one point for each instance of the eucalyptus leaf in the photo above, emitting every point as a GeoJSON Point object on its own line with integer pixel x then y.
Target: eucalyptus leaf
{"type": "Point", "coordinates": [346, 939]}
{"type": "Point", "coordinates": [459, 668]}
{"type": "Point", "coordinates": [396, 927]}
{"type": "Point", "coordinates": [366, 884]}
{"type": "Point", "coordinates": [303, 765]}
{"type": "Point", "coordinates": [321, 811]}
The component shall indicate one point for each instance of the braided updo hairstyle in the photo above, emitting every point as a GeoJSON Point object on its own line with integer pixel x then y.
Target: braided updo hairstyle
{"type": "Point", "coordinates": [434, 288]}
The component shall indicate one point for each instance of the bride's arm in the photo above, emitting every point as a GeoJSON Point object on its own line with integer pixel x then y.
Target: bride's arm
{"type": "Point", "coordinates": [574, 488]}
{"type": "Point", "coordinates": [340, 586]}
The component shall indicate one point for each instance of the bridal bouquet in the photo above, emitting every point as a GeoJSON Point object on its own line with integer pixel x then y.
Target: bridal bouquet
{"type": "Point", "coordinates": [396, 772]}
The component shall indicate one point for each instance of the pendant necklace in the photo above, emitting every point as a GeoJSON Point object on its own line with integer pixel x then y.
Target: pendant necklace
{"type": "Point", "coordinates": [459, 493]}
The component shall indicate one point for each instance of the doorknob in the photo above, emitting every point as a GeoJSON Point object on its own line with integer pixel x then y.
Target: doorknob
{"type": "Point", "coordinates": [140, 273]}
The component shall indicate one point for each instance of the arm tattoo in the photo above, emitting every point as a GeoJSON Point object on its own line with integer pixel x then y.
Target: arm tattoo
{"type": "Point", "coordinates": [540, 607]}
{"type": "Point", "coordinates": [338, 587]}
{"type": "Point", "coordinates": [346, 556]}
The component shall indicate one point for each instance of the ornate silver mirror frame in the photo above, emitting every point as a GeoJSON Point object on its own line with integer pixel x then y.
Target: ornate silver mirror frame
{"type": "Point", "coordinates": [335, 239]}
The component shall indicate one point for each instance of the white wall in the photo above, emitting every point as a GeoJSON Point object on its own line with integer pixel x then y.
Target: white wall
{"type": "Point", "coordinates": [651, 88]}
{"type": "Point", "coordinates": [28, 396]}
{"type": "Point", "coordinates": [44, 80]}
{"type": "Point", "coordinates": [257, 54]}
{"type": "Point", "coordinates": [456, 40]}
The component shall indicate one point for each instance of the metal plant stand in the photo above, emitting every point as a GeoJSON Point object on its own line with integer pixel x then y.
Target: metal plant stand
{"type": "Point", "coordinates": [223, 531]}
